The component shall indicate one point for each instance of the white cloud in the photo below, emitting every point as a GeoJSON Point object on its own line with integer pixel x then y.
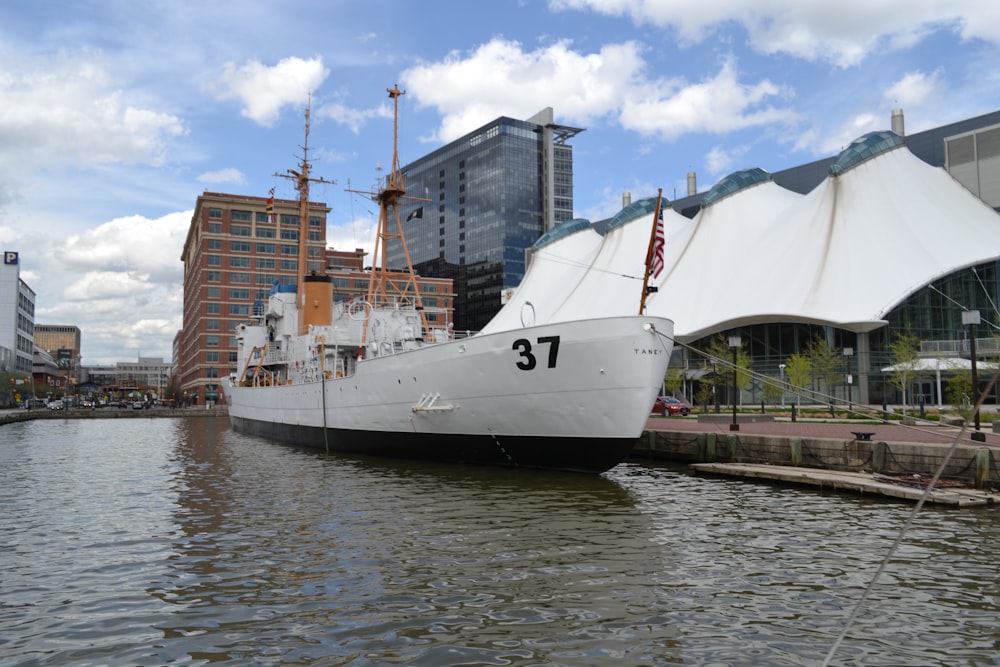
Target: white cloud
{"type": "Point", "coordinates": [720, 161]}
{"type": "Point", "coordinates": [228, 175]}
{"type": "Point", "coordinates": [915, 88]}
{"type": "Point", "coordinates": [115, 281]}
{"type": "Point", "coordinates": [146, 249]}
{"type": "Point", "coordinates": [358, 233]}
{"type": "Point", "coordinates": [70, 110]}
{"type": "Point", "coordinates": [504, 80]}
{"type": "Point", "coordinates": [843, 33]}
{"type": "Point", "coordinates": [718, 105]}
{"type": "Point", "coordinates": [264, 90]}
{"type": "Point", "coordinates": [501, 79]}
{"type": "Point", "coordinates": [354, 119]}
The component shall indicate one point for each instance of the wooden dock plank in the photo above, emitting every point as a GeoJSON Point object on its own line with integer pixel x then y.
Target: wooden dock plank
{"type": "Point", "coordinates": [848, 481]}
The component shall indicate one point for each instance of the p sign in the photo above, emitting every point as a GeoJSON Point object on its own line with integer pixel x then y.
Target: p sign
{"type": "Point", "coordinates": [9, 257]}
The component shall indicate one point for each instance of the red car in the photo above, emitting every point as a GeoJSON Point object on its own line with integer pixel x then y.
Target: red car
{"type": "Point", "coordinates": [668, 405]}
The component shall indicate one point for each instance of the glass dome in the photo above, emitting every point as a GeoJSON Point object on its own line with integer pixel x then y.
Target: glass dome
{"type": "Point", "coordinates": [562, 230]}
{"type": "Point", "coordinates": [636, 209]}
{"type": "Point", "coordinates": [734, 182]}
{"type": "Point", "coordinates": [865, 147]}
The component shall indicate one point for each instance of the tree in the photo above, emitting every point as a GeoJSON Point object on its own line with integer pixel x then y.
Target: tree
{"type": "Point", "coordinates": [674, 381]}
{"type": "Point", "coordinates": [799, 370]}
{"type": "Point", "coordinates": [720, 351]}
{"type": "Point", "coordinates": [772, 390]}
{"type": "Point", "coordinates": [958, 392]}
{"type": "Point", "coordinates": [904, 352]}
{"type": "Point", "coordinates": [825, 363]}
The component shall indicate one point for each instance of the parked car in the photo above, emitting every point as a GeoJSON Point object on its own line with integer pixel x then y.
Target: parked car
{"type": "Point", "coordinates": [668, 405]}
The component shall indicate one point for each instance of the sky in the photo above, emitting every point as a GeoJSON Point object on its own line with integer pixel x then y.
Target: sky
{"type": "Point", "coordinates": [115, 115]}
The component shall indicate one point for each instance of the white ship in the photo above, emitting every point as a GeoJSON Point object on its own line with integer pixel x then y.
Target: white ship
{"type": "Point", "coordinates": [371, 376]}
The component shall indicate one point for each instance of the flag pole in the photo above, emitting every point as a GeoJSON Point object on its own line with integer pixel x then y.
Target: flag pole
{"type": "Point", "coordinates": [649, 251]}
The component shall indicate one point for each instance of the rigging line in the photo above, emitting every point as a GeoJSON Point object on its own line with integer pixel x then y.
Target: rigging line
{"type": "Point", "coordinates": [985, 291]}
{"type": "Point", "coordinates": [566, 261]}
{"type": "Point", "coordinates": [905, 527]}
{"type": "Point", "coordinates": [960, 305]}
{"type": "Point", "coordinates": [964, 308]}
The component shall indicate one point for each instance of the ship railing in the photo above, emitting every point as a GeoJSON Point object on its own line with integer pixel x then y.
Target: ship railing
{"type": "Point", "coordinates": [275, 357]}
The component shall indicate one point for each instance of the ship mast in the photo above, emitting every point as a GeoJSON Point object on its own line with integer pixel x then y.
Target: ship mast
{"type": "Point", "coordinates": [302, 180]}
{"type": "Point", "coordinates": [392, 192]}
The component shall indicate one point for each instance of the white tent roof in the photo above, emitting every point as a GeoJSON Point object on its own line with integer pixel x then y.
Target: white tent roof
{"type": "Point", "coordinates": [948, 364]}
{"type": "Point", "coordinates": [845, 254]}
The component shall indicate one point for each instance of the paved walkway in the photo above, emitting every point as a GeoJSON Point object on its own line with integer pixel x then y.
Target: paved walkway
{"type": "Point", "coordinates": [892, 432]}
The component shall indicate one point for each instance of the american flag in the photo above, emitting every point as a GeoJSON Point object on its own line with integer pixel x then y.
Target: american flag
{"type": "Point", "coordinates": [656, 259]}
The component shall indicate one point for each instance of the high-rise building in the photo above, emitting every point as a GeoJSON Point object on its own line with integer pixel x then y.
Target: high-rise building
{"type": "Point", "coordinates": [17, 318]}
{"type": "Point", "coordinates": [480, 202]}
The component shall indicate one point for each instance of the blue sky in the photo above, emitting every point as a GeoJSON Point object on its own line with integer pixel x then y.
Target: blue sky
{"type": "Point", "coordinates": [116, 115]}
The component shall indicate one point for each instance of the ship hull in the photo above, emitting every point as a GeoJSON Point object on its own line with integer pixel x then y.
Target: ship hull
{"type": "Point", "coordinates": [569, 396]}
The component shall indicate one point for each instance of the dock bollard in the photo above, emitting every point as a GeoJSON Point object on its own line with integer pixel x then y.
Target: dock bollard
{"type": "Point", "coordinates": [879, 452]}
{"type": "Point", "coordinates": [795, 449]}
{"type": "Point", "coordinates": [983, 456]}
{"type": "Point", "coordinates": [732, 447]}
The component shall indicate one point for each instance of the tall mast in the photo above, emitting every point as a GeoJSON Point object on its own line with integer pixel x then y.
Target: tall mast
{"type": "Point", "coordinates": [392, 192]}
{"type": "Point", "coordinates": [302, 180]}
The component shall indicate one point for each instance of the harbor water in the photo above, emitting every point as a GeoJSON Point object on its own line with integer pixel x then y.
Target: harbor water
{"type": "Point", "coordinates": [177, 541]}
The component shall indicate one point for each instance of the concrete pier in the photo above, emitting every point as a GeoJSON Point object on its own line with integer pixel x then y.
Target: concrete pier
{"type": "Point", "coordinates": [877, 458]}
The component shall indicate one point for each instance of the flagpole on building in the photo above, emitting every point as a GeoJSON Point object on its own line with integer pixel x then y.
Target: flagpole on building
{"type": "Point", "coordinates": [649, 251]}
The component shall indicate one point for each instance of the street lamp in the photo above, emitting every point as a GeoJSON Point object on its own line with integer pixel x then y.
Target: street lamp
{"type": "Point", "coordinates": [971, 317]}
{"type": "Point", "coordinates": [848, 378]}
{"type": "Point", "coordinates": [734, 342]}
{"type": "Point", "coordinates": [781, 369]}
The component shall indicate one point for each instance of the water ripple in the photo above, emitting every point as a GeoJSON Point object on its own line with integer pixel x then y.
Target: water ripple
{"type": "Point", "coordinates": [149, 542]}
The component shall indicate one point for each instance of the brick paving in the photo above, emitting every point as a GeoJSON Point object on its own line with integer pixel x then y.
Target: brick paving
{"type": "Point", "coordinates": [892, 432]}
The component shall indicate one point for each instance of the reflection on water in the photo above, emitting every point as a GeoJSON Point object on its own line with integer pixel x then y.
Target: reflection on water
{"type": "Point", "coordinates": [155, 541]}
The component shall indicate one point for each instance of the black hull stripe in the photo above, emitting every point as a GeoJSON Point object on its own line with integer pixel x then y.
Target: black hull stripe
{"type": "Point", "coordinates": [588, 455]}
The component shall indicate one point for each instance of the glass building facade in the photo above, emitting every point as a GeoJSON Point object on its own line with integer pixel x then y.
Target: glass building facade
{"type": "Point", "coordinates": [478, 203]}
